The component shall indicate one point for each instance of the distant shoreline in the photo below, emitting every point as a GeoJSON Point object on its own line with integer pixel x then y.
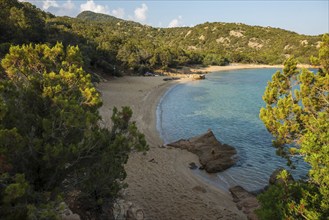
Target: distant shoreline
{"type": "Point", "coordinates": [189, 71]}
{"type": "Point", "coordinates": [239, 66]}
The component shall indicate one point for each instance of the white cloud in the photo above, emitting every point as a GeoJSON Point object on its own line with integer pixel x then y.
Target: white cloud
{"type": "Point", "coordinates": [56, 7]}
{"type": "Point", "coordinates": [69, 5]}
{"type": "Point", "coordinates": [176, 22]}
{"type": "Point", "coordinates": [67, 8]}
{"type": "Point", "coordinates": [91, 6]}
{"type": "Point", "coordinates": [119, 13]}
{"type": "Point", "coordinates": [140, 13]}
{"type": "Point", "coordinates": [49, 3]}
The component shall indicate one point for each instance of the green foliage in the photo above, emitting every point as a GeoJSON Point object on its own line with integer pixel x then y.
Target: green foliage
{"type": "Point", "coordinates": [290, 200]}
{"type": "Point", "coordinates": [214, 59]}
{"type": "Point", "coordinates": [138, 45]}
{"type": "Point", "coordinates": [297, 114]}
{"type": "Point", "coordinates": [50, 138]}
{"type": "Point", "coordinates": [272, 203]}
{"type": "Point", "coordinates": [114, 46]}
{"type": "Point", "coordinates": [21, 22]}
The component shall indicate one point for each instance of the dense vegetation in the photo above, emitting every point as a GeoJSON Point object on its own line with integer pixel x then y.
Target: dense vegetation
{"type": "Point", "coordinates": [113, 45]}
{"type": "Point", "coordinates": [297, 114]}
{"type": "Point", "coordinates": [51, 142]}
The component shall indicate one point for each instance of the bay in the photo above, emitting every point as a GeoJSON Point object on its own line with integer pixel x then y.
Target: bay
{"type": "Point", "coordinates": [227, 102]}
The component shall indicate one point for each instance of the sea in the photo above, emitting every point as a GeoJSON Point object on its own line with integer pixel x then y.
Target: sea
{"type": "Point", "coordinates": [228, 103]}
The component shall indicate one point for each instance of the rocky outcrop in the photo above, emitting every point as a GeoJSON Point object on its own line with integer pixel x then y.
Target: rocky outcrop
{"type": "Point", "coordinates": [125, 210]}
{"type": "Point", "coordinates": [67, 214]}
{"type": "Point", "coordinates": [245, 201]}
{"type": "Point", "coordinates": [236, 33]}
{"type": "Point", "coordinates": [213, 156]}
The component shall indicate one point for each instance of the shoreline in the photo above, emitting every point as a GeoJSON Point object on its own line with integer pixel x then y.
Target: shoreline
{"type": "Point", "coordinates": [237, 66]}
{"type": "Point", "coordinates": [161, 182]}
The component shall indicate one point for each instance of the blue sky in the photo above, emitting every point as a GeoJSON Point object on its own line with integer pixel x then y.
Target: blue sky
{"type": "Point", "coordinates": [304, 17]}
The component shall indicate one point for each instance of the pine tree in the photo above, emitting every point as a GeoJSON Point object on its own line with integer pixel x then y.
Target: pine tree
{"type": "Point", "coordinates": [297, 114]}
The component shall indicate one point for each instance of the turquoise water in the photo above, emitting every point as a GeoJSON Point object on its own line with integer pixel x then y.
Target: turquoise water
{"type": "Point", "coordinates": [228, 103]}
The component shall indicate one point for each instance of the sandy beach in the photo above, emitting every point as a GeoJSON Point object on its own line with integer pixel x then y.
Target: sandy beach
{"type": "Point", "coordinates": [238, 66]}
{"type": "Point", "coordinates": [161, 182]}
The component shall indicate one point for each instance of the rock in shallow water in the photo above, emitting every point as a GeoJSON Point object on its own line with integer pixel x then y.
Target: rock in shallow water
{"type": "Point", "coordinates": [213, 155]}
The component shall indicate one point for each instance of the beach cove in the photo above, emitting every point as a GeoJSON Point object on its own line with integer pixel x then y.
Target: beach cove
{"type": "Point", "coordinates": [161, 182]}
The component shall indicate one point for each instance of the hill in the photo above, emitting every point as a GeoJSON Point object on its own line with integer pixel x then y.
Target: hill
{"type": "Point", "coordinates": [210, 43]}
{"type": "Point", "coordinates": [98, 17]}
{"type": "Point", "coordinates": [115, 45]}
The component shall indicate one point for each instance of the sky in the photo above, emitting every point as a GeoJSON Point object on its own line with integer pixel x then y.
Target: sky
{"type": "Point", "coordinates": [310, 17]}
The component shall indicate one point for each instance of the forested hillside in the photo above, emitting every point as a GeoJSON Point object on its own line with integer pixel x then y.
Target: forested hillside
{"type": "Point", "coordinates": [114, 45]}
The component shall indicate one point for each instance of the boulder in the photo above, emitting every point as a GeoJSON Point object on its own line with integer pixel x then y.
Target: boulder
{"type": "Point", "coordinates": [213, 155]}
{"type": "Point", "coordinates": [134, 213]}
{"type": "Point", "coordinates": [125, 210]}
{"type": "Point", "coordinates": [245, 201]}
{"type": "Point", "coordinates": [67, 214]}
{"type": "Point", "coordinates": [193, 166]}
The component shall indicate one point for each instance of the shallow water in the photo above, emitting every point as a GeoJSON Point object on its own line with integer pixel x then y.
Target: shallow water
{"type": "Point", "coordinates": [228, 103]}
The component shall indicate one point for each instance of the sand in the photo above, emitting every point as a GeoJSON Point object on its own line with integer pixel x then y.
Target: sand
{"type": "Point", "coordinates": [161, 182]}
